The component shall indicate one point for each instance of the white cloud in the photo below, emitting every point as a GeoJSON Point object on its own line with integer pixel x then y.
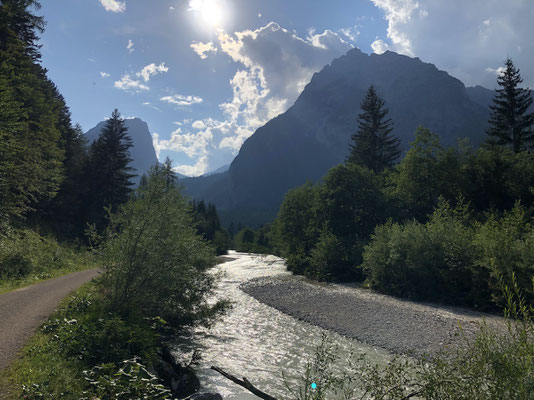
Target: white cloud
{"type": "Point", "coordinates": [114, 5]}
{"type": "Point", "coordinates": [130, 46]}
{"type": "Point", "coordinates": [181, 100]}
{"type": "Point", "coordinates": [379, 46]}
{"type": "Point", "coordinates": [351, 33]}
{"type": "Point", "coordinates": [135, 84]}
{"type": "Point", "coordinates": [277, 64]}
{"type": "Point", "coordinates": [129, 84]}
{"type": "Point", "coordinates": [200, 167]}
{"type": "Point", "coordinates": [152, 69]}
{"type": "Point", "coordinates": [104, 75]}
{"type": "Point", "coordinates": [198, 125]}
{"type": "Point", "coordinates": [194, 145]}
{"type": "Point", "coordinates": [468, 39]}
{"type": "Point", "coordinates": [202, 48]}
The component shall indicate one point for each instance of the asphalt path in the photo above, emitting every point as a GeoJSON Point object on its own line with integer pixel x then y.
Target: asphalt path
{"type": "Point", "coordinates": [23, 310]}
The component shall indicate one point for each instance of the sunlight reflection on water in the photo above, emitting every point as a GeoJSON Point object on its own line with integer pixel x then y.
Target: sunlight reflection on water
{"type": "Point", "coordinates": [256, 341]}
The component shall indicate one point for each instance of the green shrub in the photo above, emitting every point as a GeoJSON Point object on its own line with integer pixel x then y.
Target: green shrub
{"type": "Point", "coordinates": [131, 381]}
{"type": "Point", "coordinates": [25, 252]}
{"type": "Point", "coordinates": [155, 265]}
{"type": "Point", "coordinates": [327, 261]}
{"type": "Point", "coordinates": [431, 261]}
{"type": "Point", "coordinates": [505, 247]}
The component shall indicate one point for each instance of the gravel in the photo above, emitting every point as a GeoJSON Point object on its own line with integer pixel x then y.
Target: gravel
{"type": "Point", "coordinates": [400, 326]}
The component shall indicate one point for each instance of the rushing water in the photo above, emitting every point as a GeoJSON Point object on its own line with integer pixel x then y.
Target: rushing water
{"type": "Point", "coordinates": [256, 341]}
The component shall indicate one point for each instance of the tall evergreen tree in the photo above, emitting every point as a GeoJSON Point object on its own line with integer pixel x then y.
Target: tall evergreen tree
{"type": "Point", "coordinates": [373, 145]}
{"type": "Point", "coordinates": [108, 169]}
{"type": "Point", "coordinates": [510, 122]}
{"type": "Point", "coordinates": [31, 154]}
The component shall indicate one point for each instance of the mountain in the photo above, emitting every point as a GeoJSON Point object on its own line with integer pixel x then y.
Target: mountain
{"type": "Point", "coordinates": [313, 135]}
{"type": "Point", "coordinates": [219, 170]}
{"type": "Point", "coordinates": [142, 152]}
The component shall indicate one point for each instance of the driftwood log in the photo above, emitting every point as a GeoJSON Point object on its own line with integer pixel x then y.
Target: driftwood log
{"type": "Point", "coordinates": [244, 383]}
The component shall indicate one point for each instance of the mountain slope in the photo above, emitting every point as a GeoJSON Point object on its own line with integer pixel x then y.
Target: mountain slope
{"type": "Point", "coordinates": [314, 134]}
{"type": "Point", "coordinates": [143, 153]}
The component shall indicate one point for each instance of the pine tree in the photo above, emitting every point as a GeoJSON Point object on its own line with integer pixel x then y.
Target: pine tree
{"type": "Point", "coordinates": [373, 145]}
{"type": "Point", "coordinates": [31, 154]}
{"type": "Point", "coordinates": [108, 169]}
{"type": "Point", "coordinates": [510, 122]}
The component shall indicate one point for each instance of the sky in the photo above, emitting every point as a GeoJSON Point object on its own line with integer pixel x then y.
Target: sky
{"type": "Point", "coordinates": [205, 74]}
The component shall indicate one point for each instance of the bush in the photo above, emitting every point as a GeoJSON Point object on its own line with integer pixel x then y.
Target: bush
{"type": "Point", "coordinates": [452, 258]}
{"type": "Point", "coordinates": [25, 252]}
{"type": "Point", "coordinates": [154, 262]}
{"type": "Point", "coordinates": [431, 261]}
{"type": "Point", "coordinates": [326, 259]}
{"type": "Point", "coordinates": [505, 247]}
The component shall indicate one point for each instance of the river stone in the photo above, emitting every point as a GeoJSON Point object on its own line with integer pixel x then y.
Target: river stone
{"type": "Point", "coordinates": [205, 396]}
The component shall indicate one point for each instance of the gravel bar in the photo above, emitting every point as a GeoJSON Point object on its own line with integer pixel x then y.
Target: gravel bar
{"type": "Point", "coordinates": [400, 326]}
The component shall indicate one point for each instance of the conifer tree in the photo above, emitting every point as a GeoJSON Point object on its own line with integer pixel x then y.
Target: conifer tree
{"type": "Point", "coordinates": [108, 170]}
{"type": "Point", "coordinates": [31, 155]}
{"type": "Point", "coordinates": [510, 122]}
{"type": "Point", "coordinates": [373, 145]}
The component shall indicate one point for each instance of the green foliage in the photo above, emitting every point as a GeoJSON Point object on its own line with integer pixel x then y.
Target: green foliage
{"type": "Point", "coordinates": [325, 262]}
{"type": "Point", "coordinates": [26, 256]}
{"type": "Point", "coordinates": [429, 261]}
{"type": "Point", "coordinates": [452, 258]}
{"type": "Point", "coordinates": [505, 253]}
{"type": "Point", "coordinates": [208, 225]}
{"type": "Point", "coordinates": [510, 122]}
{"type": "Point", "coordinates": [33, 115]}
{"type": "Point", "coordinates": [495, 178]}
{"type": "Point", "coordinates": [244, 240]}
{"type": "Point", "coordinates": [296, 222]}
{"type": "Point", "coordinates": [154, 263]}
{"type": "Point", "coordinates": [373, 145]}
{"type": "Point", "coordinates": [80, 351]}
{"type": "Point", "coordinates": [427, 172]}
{"type": "Point", "coordinates": [132, 381]}
{"type": "Point", "coordinates": [108, 170]}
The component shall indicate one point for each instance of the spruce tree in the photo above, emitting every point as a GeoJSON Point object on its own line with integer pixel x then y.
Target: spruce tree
{"type": "Point", "coordinates": [510, 121]}
{"type": "Point", "coordinates": [108, 171]}
{"type": "Point", "coordinates": [31, 153]}
{"type": "Point", "coordinates": [373, 144]}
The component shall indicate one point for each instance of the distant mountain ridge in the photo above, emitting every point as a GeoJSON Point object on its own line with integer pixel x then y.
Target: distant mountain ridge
{"type": "Point", "coordinates": [142, 153]}
{"type": "Point", "coordinates": [313, 135]}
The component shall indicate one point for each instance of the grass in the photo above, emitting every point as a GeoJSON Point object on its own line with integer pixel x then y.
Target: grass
{"type": "Point", "coordinates": [42, 363]}
{"type": "Point", "coordinates": [85, 351]}
{"type": "Point", "coordinates": [27, 258]}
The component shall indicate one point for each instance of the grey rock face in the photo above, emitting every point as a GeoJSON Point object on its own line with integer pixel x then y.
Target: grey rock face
{"type": "Point", "coordinates": [314, 134]}
{"type": "Point", "coordinates": [142, 152]}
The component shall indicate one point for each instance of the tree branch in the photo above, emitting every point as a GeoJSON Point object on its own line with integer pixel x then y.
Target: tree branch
{"type": "Point", "coordinates": [244, 383]}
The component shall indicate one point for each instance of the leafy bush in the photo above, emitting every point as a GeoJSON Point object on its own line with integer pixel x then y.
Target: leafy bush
{"type": "Point", "coordinates": [155, 265]}
{"type": "Point", "coordinates": [453, 258]}
{"type": "Point", "coordinates": [131, 381]}
{"type": "Point", "coordinates": [25, 252]}
{"type": "Point", "coordinates": [431, 261]}
{"type": "Point", "coordinates": [505, 247]}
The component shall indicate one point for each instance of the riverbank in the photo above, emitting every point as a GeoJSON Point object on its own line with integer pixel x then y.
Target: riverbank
{"type": "Point", "coordinates": [400, 326]}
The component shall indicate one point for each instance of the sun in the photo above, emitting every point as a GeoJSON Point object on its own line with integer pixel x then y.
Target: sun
{"type": "Point", "coordinates": [210, 11]}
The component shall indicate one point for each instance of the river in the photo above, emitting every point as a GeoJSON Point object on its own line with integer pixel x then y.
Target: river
{"type": "Point", "coordinates": [256, 341]}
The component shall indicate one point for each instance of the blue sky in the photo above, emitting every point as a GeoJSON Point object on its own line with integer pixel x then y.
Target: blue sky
{"type": "Point", "coordinates": [204, 74]}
